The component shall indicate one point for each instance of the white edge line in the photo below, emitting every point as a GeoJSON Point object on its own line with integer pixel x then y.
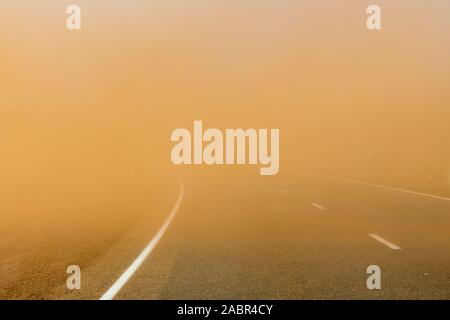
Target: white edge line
{"type": "Point", "coordinates": [398, 189]}
{"type": "Point", "coordinates": [118, 285]}
{"type": "Point", "coordinates": [385, 242]}
{"type": "Point", "coordinates": [318, 206]}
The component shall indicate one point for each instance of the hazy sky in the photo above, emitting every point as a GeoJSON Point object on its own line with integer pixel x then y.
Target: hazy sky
{"type": "Point", "coordinates": [94, 108]}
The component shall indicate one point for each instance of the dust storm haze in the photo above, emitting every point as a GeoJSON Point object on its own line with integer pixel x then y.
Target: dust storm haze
{"type": "Point", "coordinates": [86, 116]}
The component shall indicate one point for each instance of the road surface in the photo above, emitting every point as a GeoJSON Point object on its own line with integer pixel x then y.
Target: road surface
{"type": "Point", "coordinates": [256, 239]}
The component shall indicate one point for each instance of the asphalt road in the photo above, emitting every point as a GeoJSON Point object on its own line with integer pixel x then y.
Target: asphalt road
{"type": "Point", "coordinates": [232, 240]}
{"type": "Point", "coordinates": [309, 242]}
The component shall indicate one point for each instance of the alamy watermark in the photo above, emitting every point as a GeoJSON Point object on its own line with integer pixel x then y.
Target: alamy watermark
{"type": "Point", "coordinates": [235, 146]}
{"type": "Point", "coordinates": [74, 280]}
{"type": "Point", "coordinates": [73, 21]}
{"type": "Point", "coordinates": [374, 280]}
{"type": "Point", "coordinates": [374, 18]}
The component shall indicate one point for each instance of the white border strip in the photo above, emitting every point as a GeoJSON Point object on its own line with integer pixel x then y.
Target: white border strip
{"type": "Point", "coordinates": [398, 189]}
{"type": "Point", "coordinates": [118, 285]}
{"type": "Point", "coordinates": [385, 242]}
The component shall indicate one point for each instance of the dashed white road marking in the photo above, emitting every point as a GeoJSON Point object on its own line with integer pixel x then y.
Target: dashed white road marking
{"type": "Point", "coordinates": [385, 242]}
{"type": "Point", "coordinates": [398, 189]}
{"type": "Point", "coordinates": [118, 285]}
{"type": "Point", "coordinates": [318, 206]}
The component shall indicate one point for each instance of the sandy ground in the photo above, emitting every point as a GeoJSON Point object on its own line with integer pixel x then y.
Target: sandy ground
{"type": "Point", "coordinates": [35, 255]}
